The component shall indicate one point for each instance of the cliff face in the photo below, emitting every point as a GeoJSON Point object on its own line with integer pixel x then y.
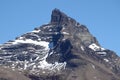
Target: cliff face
{"type": "Point", "coordinates": [61, 50]}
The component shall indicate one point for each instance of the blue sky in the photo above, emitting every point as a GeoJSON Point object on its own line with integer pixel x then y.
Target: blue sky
{"type": "Point", "coordinates": [102, 17]}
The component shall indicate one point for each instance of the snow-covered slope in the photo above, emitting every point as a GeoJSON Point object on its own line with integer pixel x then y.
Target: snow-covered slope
{"type": "Point", "coordinates": [30, 51]}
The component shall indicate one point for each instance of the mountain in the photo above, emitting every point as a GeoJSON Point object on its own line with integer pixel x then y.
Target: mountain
{"type": "Point", "coordinates": [63, 49]}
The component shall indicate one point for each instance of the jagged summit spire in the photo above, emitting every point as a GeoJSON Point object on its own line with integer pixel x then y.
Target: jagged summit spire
{"type": "Point", "coordinates": [58, 17]}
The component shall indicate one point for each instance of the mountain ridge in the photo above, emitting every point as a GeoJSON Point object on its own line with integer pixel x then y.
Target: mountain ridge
{"type": "Point", "coordinates": [60, 50]}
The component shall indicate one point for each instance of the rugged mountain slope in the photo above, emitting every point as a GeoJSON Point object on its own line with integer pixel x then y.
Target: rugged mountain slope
{"type": "Point", "coordinates": [60, 50]}
{"type": "Point", "coordinates": [9, 74]}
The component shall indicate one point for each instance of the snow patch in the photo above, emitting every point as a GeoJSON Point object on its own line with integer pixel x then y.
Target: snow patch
{"type": "Point", "coordinates": [43, 72]}
{"type": "Point", "coordinates": [43, 64]}
{"type": "Point", "coordinates": [39, 39]}
{"type": "Point", "coordinates": [101, 53]}
{"type": "Point", "coordinates": [50, 53]}
{"type": "Point", "coordinates": [36, 58]}
{"type": "Point", "coordinates": [20, 38]}
{"type": "Point", "coordinates": [25, 65]}
{"type": "Point", "coordinates": [82, 48]}
{"type": "Point", "coordinates": [56, 33]}
{"type": "Point", "coordinates": [93, 66]}
{"type": "Point", "coordinates": [47, 26]}
{"type": "Point", "coordinates": [32, 64]}
{"type": "Point", "coordinates": [106, 60]}
{"type": "Point", "coordinates": [65, 33]}
{"type": "Point", "coordinates": [95, 47]}
{"type": "Point", "coordinates": [36, 31]}
{"type": "Point", "coordinates": [50, 29]}
{"type": "Point", "coordinates": [63, 28]}
{"type": "Point", "coordinates": [41, 43]}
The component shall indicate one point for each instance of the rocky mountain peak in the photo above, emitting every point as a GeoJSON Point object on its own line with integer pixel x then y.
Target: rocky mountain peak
{"type": "Point", "coordinates": [58, 17]}
{"type": "Point", "coordinates": [61, 50]}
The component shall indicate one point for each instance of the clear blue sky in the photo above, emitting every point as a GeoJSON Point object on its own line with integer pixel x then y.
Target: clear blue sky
{"type": "Point", "coordinates": [102, 17]}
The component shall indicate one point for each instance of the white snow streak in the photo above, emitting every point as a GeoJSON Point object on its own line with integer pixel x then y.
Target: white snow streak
{"type": "Point", "coordinates": [93, 66]}
{"type": "Point", "coordinates": [65, 33]}
{"type": "Point", "coordinates": [106, 60]}
{"type": "Point", "coordinates": [51, 53]}
{"type": "Point", "coordinates": [47, 26]}
{"type": "Point", "coordinates": [95, 47]}
{"type": "Point", "coordinates": [42, 43]}
{"type": "Point", "coordinates": [36, 31]}
{"type": "Point", "coordinates": [25, 65]}
{"type": "Point", "coordinates": [101, 53]}
{"type": "Point", "coordinates": [82, 48]}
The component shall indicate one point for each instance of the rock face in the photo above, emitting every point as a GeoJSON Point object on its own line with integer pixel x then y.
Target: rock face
{"type": "Point", "coordinates": [61, 50]}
